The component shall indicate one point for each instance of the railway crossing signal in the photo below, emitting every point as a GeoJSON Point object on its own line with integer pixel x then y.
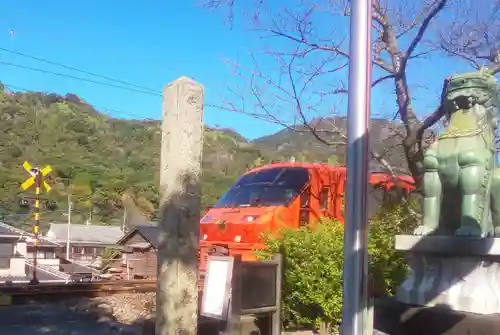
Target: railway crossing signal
{"type": "Point", "coordinates": [34, 171]}
{"type": "Point", "coordinates": [37, 179]}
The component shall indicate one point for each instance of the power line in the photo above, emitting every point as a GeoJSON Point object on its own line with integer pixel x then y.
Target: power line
{"type": "Point", "coordinates": [78, 78]}
{"type": "Point", "coordinates": [138, 117]}
{"type": "Point", "coordinates": [152, 91]}
{"type": "Point", "coordinates": [100, 108]}
{"type": "Point", "coordinates": [156, 92]}
{"type": "Point", "coordinates": [78, 70]}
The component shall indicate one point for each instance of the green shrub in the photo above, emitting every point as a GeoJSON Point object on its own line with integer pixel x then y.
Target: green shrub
{"type": "Point", "coordinates": [312, 286]}
{"type": "Point", "coordinates": [387, 266]}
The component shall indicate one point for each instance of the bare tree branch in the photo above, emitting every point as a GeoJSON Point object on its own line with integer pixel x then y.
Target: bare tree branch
{"type": "Point", "coordinates": [477, 39]}
{"type": "Point", "coordinates": [421, 31]}
{"type": "Point", "coordinates": [304, 41]}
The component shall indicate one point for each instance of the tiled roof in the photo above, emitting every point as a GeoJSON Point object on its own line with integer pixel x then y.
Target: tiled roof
{"type": "Point", "coordinates": [150, 233]}
{"type": "Point", "coordinates": [84, 233]}
{"type": "Point", "coordinates": [6, 229]}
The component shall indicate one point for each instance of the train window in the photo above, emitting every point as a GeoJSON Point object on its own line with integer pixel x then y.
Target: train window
{"type": "Point", "coordinates": [274, 187]}
{"type": "Point", "coordinates": [304, 210]}
{"type": "Point", "coordinates": [304, 198]}
{"type": "Point", "coordinates": [303, 218]}
{"type": "Point", "coordinates": [293, 178]}
{"type": "Point", "coordinates": [324, 198]}
{"type": "Point", "coordinates": [342, 205]}
{"type": "Point", "coordinates": [266, 176]}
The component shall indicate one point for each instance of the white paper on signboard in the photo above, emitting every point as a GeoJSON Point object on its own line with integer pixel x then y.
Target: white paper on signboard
{"type": "Point", "coordinates": [215, 290]}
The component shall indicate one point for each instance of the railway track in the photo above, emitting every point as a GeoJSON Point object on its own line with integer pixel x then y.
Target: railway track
{"type": "Point", "coordinates": [44, 292]}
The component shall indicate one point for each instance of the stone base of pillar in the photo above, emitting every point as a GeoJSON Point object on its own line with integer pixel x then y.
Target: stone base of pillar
{"type": "Point", "coordinates": [462, 274]}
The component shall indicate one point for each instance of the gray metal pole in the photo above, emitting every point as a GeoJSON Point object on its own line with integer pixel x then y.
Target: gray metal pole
{"type": "Point", "coordinates": [68, 237]}
{"type": "Point", "coordinates": [354, 309]}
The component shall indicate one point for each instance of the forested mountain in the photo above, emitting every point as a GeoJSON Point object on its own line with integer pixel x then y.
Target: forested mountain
{"type": "Point", "coordinates": [101, 160]}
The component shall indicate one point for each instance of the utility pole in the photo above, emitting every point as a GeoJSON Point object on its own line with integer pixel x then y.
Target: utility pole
{"type": "Point", "coordinates": [181, 152]}
{"type": "Point", "coordinates": [124, 221]}
{"type": "Point", "coordinates": [355, 302]}
{"type": "Point", "coordinates": [69, 227]}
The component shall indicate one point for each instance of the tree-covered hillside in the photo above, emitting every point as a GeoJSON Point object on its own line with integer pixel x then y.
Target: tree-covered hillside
{"type": "Point", "coordinates": [101, 160]}
{"type": "Point", "coordinates": [98, 159]}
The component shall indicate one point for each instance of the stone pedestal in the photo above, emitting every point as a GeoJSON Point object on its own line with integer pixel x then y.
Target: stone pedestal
{"type": "Point", "coordinates": [462, 274]}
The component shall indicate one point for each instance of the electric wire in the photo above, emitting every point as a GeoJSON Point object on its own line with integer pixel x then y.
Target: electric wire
{"type": "Point", "coordinates": [142, 90]}
{"type": "Point", "coordinates": [78, 70]}
{"type": "Point", "coordinates": [78, 78]}
{"type": "Point", "coordinates": [96, 107]}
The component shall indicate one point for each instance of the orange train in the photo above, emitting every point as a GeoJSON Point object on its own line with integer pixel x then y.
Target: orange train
{"type": "Point", "coordinates": [284, 195]}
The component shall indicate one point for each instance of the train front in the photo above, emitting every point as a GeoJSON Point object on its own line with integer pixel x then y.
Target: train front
{"type": "Point", "coordinates": [257, 203]}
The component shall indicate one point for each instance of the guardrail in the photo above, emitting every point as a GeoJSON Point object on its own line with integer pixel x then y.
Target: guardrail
{"type": "Point", "coordinates": [19, 294]}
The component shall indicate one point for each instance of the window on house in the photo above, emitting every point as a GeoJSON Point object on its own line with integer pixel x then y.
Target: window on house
{"type": "Point", "coordinates": [4, 262]}
{"type": "Point", "coordinates": [325, 192]}
{"type": "Point", "coordinates": [88, 251]}
{"type": "Point", "coordinates": [50, 255]}
{"type": "Point", "coordinates": [6, 249]}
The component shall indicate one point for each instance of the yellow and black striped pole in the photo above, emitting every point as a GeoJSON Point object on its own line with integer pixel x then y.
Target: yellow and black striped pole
{"type": "Point", "coordinates": [36, 227]}
{"type": "Point", "coordinates": [37, 178]}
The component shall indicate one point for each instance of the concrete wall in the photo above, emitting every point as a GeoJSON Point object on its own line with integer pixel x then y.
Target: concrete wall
{"type": "Point", "coordinates": [17, 264]}
{"type": "Point", "coordinates": [17, 267]}
{"type": "Point", "coordinates": [20, 247]}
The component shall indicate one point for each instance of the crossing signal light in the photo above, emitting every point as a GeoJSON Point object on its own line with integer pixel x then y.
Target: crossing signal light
{"type": "Point", "coordinates": [28, 202]}
{"type": "Point", "coordinates": [24, 203]}
{"type": "Point", "coordinates": [51, 205]}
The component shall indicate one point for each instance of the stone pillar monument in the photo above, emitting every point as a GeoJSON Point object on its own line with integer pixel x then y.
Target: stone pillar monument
{"type": "Point", "coordinates": [181, 153]}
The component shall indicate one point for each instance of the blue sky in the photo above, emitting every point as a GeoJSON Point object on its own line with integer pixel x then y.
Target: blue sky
{"type": "Point", "coordinates": [151, 43]}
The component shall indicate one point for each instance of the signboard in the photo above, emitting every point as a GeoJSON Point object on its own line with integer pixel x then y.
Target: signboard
{"type": "Point", "coordinates": [233, 288]}
{"type": "Point", "coordinates": [259, 280]}
{"type": "Point", "coordinates": [217, 287]}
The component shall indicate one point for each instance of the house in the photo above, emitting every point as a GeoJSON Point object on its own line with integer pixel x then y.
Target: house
{"type": "Point", "coordinates": [46, 250]}
{"type": "Point", "coordinates": [16, 257]}
{"type": "Point", "coordinates": [138, 257]}
{"type": "Point", "coordinates": [87, 242]}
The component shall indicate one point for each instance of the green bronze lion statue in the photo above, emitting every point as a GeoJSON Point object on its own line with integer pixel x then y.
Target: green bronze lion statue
{"type": "Point", "coordinates": [461, 182]}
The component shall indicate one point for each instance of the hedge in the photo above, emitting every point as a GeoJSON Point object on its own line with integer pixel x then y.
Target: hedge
{"type": "Point", "coordinates": [312, 285]}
